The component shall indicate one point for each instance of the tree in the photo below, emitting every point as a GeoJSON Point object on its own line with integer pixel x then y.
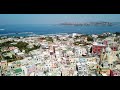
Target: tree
{"type": "Point", "coordinates": [117, 39]}
{"type": "Point", "coordinates": [27, 50]}
{"type": "Point", "coordinates": [14, 57]}
{"type": "Point", "coordinates": [117, 33]}
{"type": "Point", "coordinates": [49, 39]}
{"type": "Point", "coordinates": [76, 43]}
{"type": "Point", "coordinates": [7, 57]}
{"type": "Point", "coordinates": [21, 45]}
{"type": "Point", "coordinates": [101, 37]}
{"type": "Point", "coordinates": [0, 57]}
{"type": "Point", "coordinates": [89, 38]}
{"type": "Point", "coordinates": [77, 37]}
{"type": "Point", "coordinates": [6, 44]}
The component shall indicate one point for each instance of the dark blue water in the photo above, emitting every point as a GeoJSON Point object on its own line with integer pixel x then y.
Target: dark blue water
{"type": "Point", "coordinates": [13, 30]}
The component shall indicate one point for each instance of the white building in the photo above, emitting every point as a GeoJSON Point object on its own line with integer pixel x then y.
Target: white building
{"type": "Point", "coordinates": [82, 69]}
{"type": "Point", "coordinates": [78, 51]}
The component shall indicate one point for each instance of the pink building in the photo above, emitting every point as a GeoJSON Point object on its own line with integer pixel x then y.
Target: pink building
{"type": "Point", "coordinates": [97, 48]}
{"type": "Point", "coordinates": [105, 42]}
{"type": "Point", "coordinates": [31, 69]}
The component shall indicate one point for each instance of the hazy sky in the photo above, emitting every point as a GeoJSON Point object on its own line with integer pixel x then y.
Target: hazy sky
{"type": "Point", "coordinates": [55, 18]}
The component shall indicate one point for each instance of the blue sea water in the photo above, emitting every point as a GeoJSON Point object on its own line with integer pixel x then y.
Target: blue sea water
{"type": "Point", "coordinates": [41, 29]}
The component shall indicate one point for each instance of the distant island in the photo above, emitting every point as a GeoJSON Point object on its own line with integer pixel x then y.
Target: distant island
{"type": "Point", "coordinates": [88, 24]}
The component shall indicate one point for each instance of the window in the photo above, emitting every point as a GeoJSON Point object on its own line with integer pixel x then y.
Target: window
{"type": "Point", "coordinates": [80, 72]}
{"type": "Point", "coordinates": [79, 68]}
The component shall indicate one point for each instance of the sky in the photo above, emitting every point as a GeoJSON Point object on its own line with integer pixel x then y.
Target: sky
{"type": "Point", "coordinates": [56, 18]}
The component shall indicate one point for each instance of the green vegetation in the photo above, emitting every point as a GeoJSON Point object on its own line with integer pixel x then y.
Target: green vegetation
{"type": "Point", "coordinates": [117, 33]}
{"type": "Point", "coordinates": [7, 58]}
{"type": "Point", "coordinates": [101, 37]}
{"type": "Point", "coordinates": [13, 58]}
{"type": "Point", "coordinates": [77, 43]}
{"type": "Point", "coordinates": [10, 59]}
{"type": "Point", "coordinates": [0, 49]}
{"type": "Point", "coordinates": [77, 37]}
{"type": "Point", "coordinates": [64, 40]}
{"type": "Point", "coordinates": [27, 50]}
{"type": "Point", "coordinates": [117, 39]}
{"type": "Point", "coordinates": [21, 45]}
{"type": "Point", "coordinates": [0, 58]}
{"type": "Point", "coordinates": [89, 38]}
{"type": "Point", "coordinates": [49, 39]}
{"type": "Point", "coordinates": [6, 44]}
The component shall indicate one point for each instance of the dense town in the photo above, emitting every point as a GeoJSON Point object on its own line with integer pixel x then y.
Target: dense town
{"type": "Point", "coordinates": [61, 55]}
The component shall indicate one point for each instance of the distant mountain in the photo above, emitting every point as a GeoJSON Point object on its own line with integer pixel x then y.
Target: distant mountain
{"type": "Point", "coordinates": [116, 23]}
{"type": "Point", "coordinates": [88, 24]}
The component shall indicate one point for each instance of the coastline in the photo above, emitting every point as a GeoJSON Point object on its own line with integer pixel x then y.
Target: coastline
{"type": "Point", "coordinates": [57, 34]}
{"type": "Point", "coordinates": [37, 30]}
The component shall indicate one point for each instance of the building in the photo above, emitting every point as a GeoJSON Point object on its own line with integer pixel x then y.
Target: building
{"type": "Point", "coordinates": [65, 72]}
{"type": "Point", "coordinates": [92, 62]}
{"type": "Point", "coordinates": [96, 48]}
{"type": "Point", "coordinates": [77, 51]}
{"type": "Point", "coordinates": [108, 56]}
{"type": "Point", "coordinates": [111, 57]}
{"type": "Point", "coordinates": [114, 46]}
{"type": "Point", "coordinates": [105, 72]}
{"type": "Point", "coordinates": [29, 69]}
{"type": "Point", "coordinates": [116, 72]}
{"type": "Point", "coordinates": [82, 67]}
{"type": "Point", "coordinates": [4, 65]}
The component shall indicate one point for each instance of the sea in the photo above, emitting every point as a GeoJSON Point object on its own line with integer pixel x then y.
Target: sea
{"type": "Point", "coordinates": [46, 29]}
